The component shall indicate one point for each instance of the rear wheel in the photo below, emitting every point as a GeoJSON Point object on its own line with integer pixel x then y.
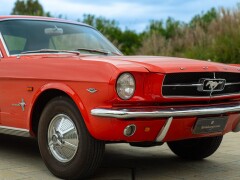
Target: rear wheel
{"type": "Point", "coordinates": [195, 149]}
{"type": "Point", "coordinates": [65, 144]}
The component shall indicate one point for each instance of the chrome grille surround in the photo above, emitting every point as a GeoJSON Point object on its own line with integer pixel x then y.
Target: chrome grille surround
{"type": "Point", "coordinates": [192, 84]}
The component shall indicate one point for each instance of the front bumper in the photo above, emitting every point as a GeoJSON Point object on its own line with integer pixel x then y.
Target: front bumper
{"type": "Point", "coordinates": [166, 112]}
{"type": "Point", "coordinates": [164, 123]}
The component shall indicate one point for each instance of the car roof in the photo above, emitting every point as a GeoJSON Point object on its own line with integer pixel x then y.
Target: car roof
{"type": "Point", "coordinates": [16, 17]}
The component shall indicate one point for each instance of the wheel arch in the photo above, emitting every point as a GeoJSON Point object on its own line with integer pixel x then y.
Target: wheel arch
{"type": "Point", "coordinates": [44, 95]}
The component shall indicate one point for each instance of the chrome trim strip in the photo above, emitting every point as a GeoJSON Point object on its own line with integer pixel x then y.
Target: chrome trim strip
{"type": "Point", "coordinates": [163, 132]}
{"type": "Point", "coordinates": [202, 97]}
{"type": "Point", "coordinates": [167, 112]}
{"type": "Point", "coordinates": [177, 85]}
{"type": "Point", "coordinates": [1, 55]}
{"type": "Point", "coordinates": [14, 131]}
{"type": "Point", "coordinates": [195, 85]}
{"type": "Point", "coordinates": [229, 84]}
{"type": "Point", "coordinates": [33, 54]}
{"type": "Point", "coordinates": [46, 19]}
{"type": "Point", "coordinates": [4, 44]}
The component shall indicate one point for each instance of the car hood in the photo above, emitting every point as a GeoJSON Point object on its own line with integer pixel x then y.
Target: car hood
{"type": "Point", "coordinates": [165, 64]}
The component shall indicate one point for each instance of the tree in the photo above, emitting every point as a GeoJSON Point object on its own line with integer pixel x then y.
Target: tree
{"type": "Point", "coordinates": [29, 7]}
{"type": "Point", "coordinates": [108, 27]}
{"type": "Point", "coordinates": [204, 19]}
{"type": "Point", "coordinates": [167, 29]}
{"type": "Point", "coordinates": [127, 41]}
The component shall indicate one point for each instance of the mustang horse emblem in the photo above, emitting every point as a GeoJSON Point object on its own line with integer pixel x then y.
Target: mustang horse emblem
{"type": "Point", "coordinates": [213, 84]}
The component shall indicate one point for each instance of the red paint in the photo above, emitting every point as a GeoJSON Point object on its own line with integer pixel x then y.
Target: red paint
{"type": "Point", "coordinates": [74, 74]}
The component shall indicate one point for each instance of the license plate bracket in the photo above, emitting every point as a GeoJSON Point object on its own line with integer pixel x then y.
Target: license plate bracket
{"type": "Point", "coordinates": [207, 125]}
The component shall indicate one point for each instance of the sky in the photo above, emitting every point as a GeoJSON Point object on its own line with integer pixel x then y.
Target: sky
{"type": "Point", "coordinates": [130, 14]}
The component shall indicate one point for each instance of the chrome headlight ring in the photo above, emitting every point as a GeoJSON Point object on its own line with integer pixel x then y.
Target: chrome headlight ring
{"type": "Point", "coordinates": [125, 86]}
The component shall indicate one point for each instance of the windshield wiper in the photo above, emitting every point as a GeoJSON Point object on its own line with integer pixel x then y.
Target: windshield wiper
{"type": "Point", "coordinates": [95, 50]}
{"type": "Point", "coordinates": [50, 51]}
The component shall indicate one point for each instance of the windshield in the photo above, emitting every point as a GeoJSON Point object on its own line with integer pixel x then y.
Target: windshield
{"type": "Point", "coordinates": [22, 36]}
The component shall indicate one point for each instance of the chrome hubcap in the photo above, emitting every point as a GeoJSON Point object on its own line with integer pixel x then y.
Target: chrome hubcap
{"type": "Point", "coordinates": [62, 138]}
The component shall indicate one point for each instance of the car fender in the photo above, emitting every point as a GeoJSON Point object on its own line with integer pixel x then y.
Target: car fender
{"type": "Point", "coordinates": [66, 89]}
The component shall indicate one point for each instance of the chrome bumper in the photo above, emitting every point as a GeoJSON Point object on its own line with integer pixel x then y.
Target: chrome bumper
{"type": "Point", "coordinates": [165, 113]}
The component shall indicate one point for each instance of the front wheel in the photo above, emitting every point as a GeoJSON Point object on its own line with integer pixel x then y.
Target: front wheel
{"type": "Point", "coordinates": [195, 149]}
{"type": "Point", "coordinates": [65, 144]}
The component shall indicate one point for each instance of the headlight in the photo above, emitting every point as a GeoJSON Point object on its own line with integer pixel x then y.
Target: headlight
{"type": "Point", "coordinates": [125, 86]}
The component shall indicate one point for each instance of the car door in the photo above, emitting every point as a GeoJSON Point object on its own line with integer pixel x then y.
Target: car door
{"type": "Point", "coordinates": [13, 86]}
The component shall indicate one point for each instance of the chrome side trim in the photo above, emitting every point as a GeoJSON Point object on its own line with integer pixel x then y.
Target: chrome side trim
{"type": "Point", "coordinates": [1, 56]}
{"type": "Point", "coordinates": [167, 112]}
{"type": "Point", "coordinates": [4, 44]}
{"type": "Point", "coordinates": [163, 132]}
{"type": "Point", "coordinates": [14, 131]}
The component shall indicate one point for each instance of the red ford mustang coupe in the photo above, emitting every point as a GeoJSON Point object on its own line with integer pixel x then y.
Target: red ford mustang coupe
{"type": "Point", "coordinates": [65, 84]}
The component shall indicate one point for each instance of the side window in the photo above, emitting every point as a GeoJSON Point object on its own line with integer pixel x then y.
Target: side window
{"type": "Point", "coordinates": [15, 44]}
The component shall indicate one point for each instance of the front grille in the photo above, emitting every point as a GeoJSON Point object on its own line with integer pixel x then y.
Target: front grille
{"type": "Point", "coordinates": [189, 84]}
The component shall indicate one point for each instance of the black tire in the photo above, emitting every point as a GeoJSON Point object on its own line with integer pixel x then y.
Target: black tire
{"type": "Point", "coordinates": [195, 149]}
{"type": "Point", "coordinates": [87, 153]}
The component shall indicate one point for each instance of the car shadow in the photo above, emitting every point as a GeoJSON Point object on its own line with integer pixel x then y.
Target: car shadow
{"type": "Point", "coordinates": [19, 145]}
{"type": "Point", "coordinates": [121, 161]}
